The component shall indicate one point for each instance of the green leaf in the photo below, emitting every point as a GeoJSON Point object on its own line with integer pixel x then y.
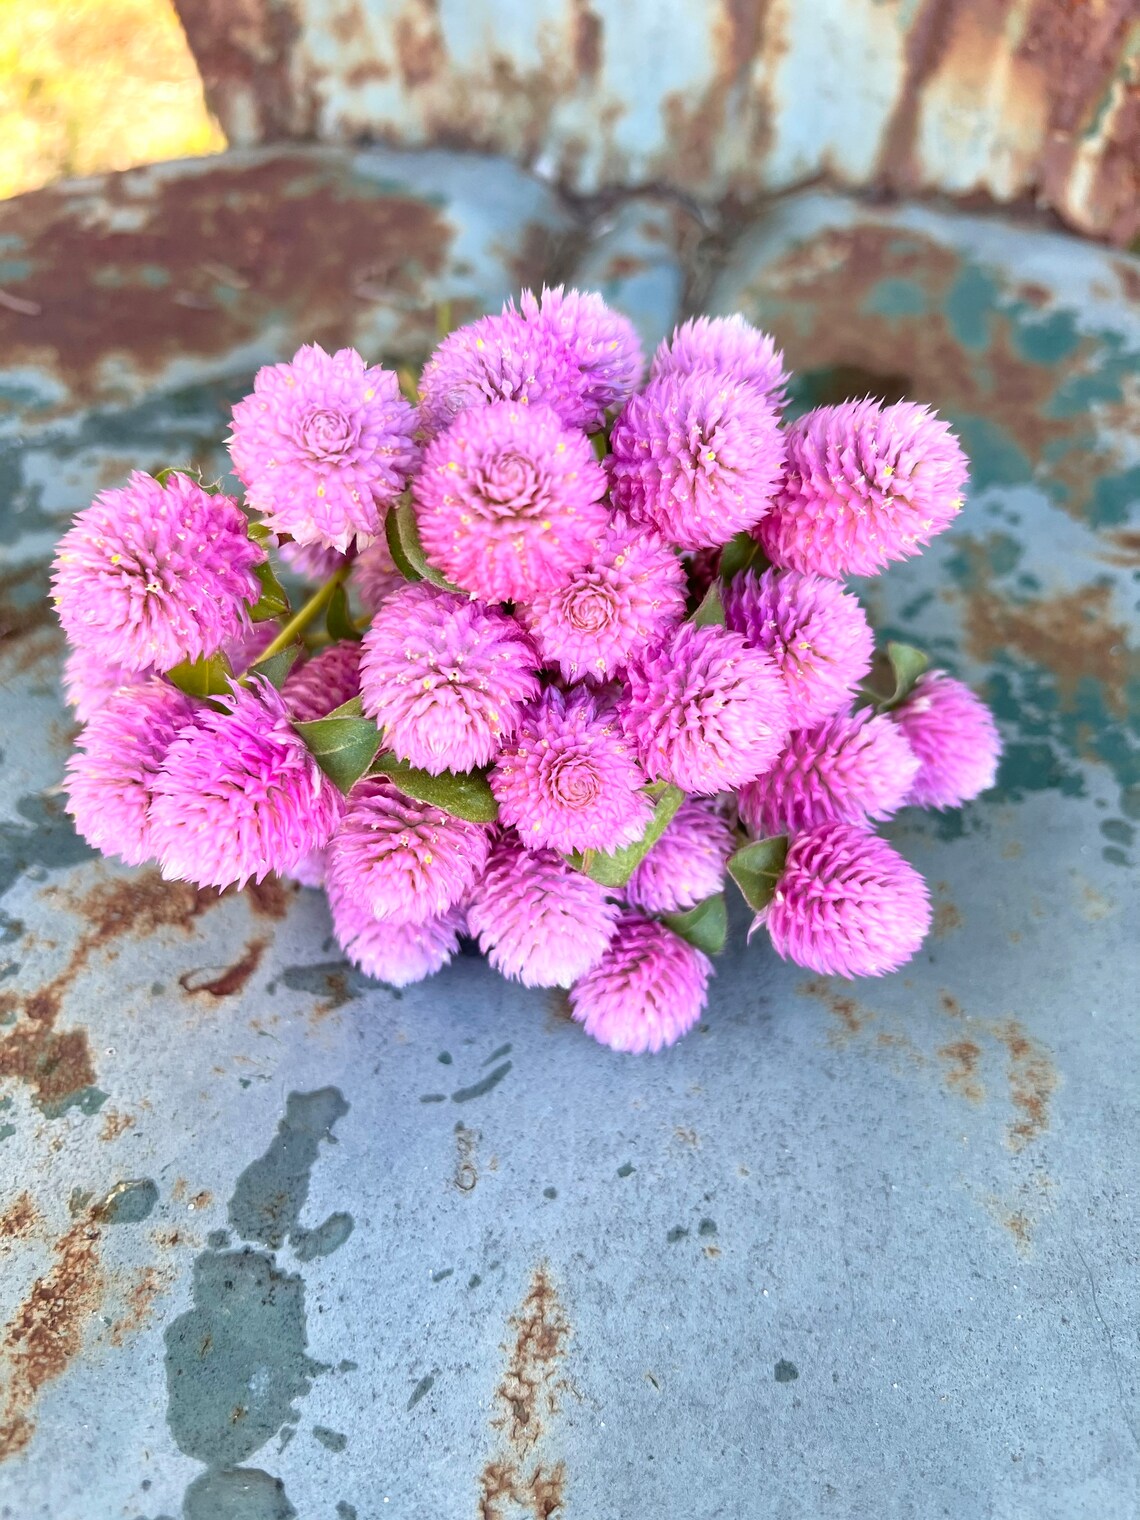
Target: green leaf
{"type": "Point", "coordinates": [273, 602]}
{"type": "Point", "coordinates": [756, 870]}
{"type": "Point", "coordinates": [464, 795]}
{"type": "Point", "coordinates": [259, 532]}
{"type": "Point", "coordinates": [343, 747]}
{"type": "Point", "coordinates": [710, 614]}
{"type": "Point", "coordinates": [600, 443]}
{"type": "Point", "coordinates": [203, 678]}
{"type": "Point", "coordinates": [276, 667]}
{"type": "Point", "coordinates": [894, 675]}
{"type": "Point", "coordinates": [614, 870]}
{"type": "Point", "coordinates": [742, 553]}
{"type": "Point", "coordinates": [403, 537]}
{"type": "Point", "coordinates": [353, 708]}
{"type": "Point", "coordinates": [705, 926]}
{"type": "Point", "coordinates": [212, 488]}
{"type": "Point", "coordinates": [338, 620]}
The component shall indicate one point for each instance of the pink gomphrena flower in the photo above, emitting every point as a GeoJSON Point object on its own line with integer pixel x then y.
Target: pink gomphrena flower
{"type": "Point", "coordinates": [151, 575]}
{"type": "Point", "coordinates": [445, 678]}
{"type": "Point", "coordinates": [89, 681]}
{"type": "Point", "coordinates": [727, 346]}
{"type": "Point", "coordinates": [688, 862]}
{"type": "Point", "coordinates": [698, 457]}
{"type": "Point", "coordinates": [816, 632]}
{"type": "Point", "coordinates": [509, 502]}
{"type": "Point", "coordinates": [310, 872]}
{"type": "Point", "coordinates": [402, 860]}
{"type": "Point", "coordinates": [705, 710]}
{"type": "Point", "coordinates": [847, 904]}
{"type": "Point", "coordinates": [865, 484]}
{"type": "Point", "coordinates": [110, 778]}
{"type": "Point", "coordinates": [569, 780]}
{"type": "Point", "coordinates": [374, 576]}
{"type": "Point", "coordinates": [649, 988]}
{"type": "Point", "coordinates": [851, 769]}
{"type": "Point", "coordinates": [398, 954]}
{"type": "Point", "coordinates": [247, 647]}
{"type": "Point", "coordinates": [312, 562]}
{"type": "Point", "coordinates": [239, 795]}
{"type": "Point", "coordinates": [627, 597]}
{"type": "Point", "coordinates": [328, 680]}
{"type": "Point", "coordinates": [323, 445]}
{"type": "Point", "coordinates": [954, 736]}
{"type": "Point", "coordinates": [502, 358]}
{"type": "Point", "coordinates": [603, 343]}
{"type": "Point", "coordinates": [538, 921]}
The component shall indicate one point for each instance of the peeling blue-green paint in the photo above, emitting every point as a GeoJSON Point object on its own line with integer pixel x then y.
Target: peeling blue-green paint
{"type": "Point", "coordinates": [243, 1493]}
{"type": "Point", "coordinates": [270, 1194]}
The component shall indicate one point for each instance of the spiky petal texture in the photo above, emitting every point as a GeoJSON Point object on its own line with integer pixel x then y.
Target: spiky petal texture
{"type": "Point", "coordinates": [445, 678]}
{"type": "Point", "coordinates": [865, 484]}
{"type": "Point", "coordinates": [239, 795]}
{"type": "Point", "coordinates": [537, 921]}
{"type": "Point", "coordinates": [649, 988]}
{"type": "Point", "coordinates": [374, 575]}
{"type": "Point", "coordinates": [329, 679]}
{"type": "Point", "coordinates": [816, 632]}
{"type": "Point", "coordinates": [569, 780]}
{"type": "Point", "coordinates": [110, 778]}
{"type": "Point", "coordinates": [603, 343]}
{"type": "Point", "coordinates": [504, 358]}
{"type": "Point", "coordinates": [398, 954]}
{"type": "Point", "coordinates": [727, 346]}
{"type": "Point", "coordinates": [851, 769]}
{"type": "Point", "coordinates": [629, 594]}
{"type": "Point", "coordinates": [847, 904]}
{"type": "Point", "coordinates": [698, 457]}
{"type": "Point", "coordinates": [89, 681]}
{"type": "Point", "coordinates": [149, 576]}
{"type": "Point", "coordinates": [404, 861]}
{"type": "Point", "coordinates": [509, 502]}
{"type": "Point", "coordinates": [706, 710]}
{"type": "Point", "coordinates": [323, 444]}
{"type": "Point", "coordinates": [688, 862]}
{"type": "Point", "coordinates": [953, 733]}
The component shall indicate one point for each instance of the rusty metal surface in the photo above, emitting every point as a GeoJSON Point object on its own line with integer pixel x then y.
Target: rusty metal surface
{"type": "Point", "coordinates": [1035, 102]}
{"type": "Point", "coordinates": [276, 1241]}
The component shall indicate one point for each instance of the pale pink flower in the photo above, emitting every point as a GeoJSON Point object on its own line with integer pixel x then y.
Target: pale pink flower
{"type": "Point", "coordinates": [604, 344]}
{"type": "Point", "coordinates": [649, 988]}
{"type": "Point", "coordinates": [374, 576]}
{"type": "Point", "coordinates": [328, 680]}
{"type": "Point", "coordinates": [725, 346]}
{"type": "Point", "coordinates": [688, 862]}
{"type": "Point", "coordinates": [953, 734]}
{"type": "Point", "coordinates": [398, 954]}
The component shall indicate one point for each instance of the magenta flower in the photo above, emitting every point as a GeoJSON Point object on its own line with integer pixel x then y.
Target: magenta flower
{"type": "Point", "coordinates": [865, 484]}
{"type": "Point", "coordinates": [603, 343]}
{"type": "Point", "coordinates": [630, 593]}
{"type": "Point", "coordinates": [310, 872]}
{"type": "Point", "coordinates": [332, 677]}
{"type": "Point", "coordinates": [649, 988]}
{"type": "Point", "coordinates": [111, 776]}
{"type": "Point", "coordinates": [323, 445]}
{"type": "Point", "coordinates": [151, 575]}
{"type": "Point", "coordinates": [509, 502]}
{"type": "Point", "coordinates": [954, 736]}
{"type": "Point", "coordinates": [569, 781]}
{"type": "Point", "coordinates": [398, 954]}
{"type": "Point", "coordinates": [698, 457]}
{"type": "Point", "coordinates": [247, 647]}
{"type": "Point", "coordinates": [852, 769]}
{"type": "Point", "coordinates": [89, 681]}
{"type": "Point", "coordinates": [239, 795]}
{"type": "Point", "coordinates": [816, 632]}
{"type": "Point", "coordinates": [374, 575]}
{"type": "Point", "coordinates": [312, 562]}
{"type": "Point", "coordinates": [403, 861]}
{"type": "Point", "coordinates": [445, 678]}
{"type": "Point", "coordinates": [706, 710]}
{"type": "Point", "coordinates": [688, 862]}
{"type": "Point", "coordinates": [729, 347]}
{"type": "Point", "coordinates": [504, 358]}
{"type": "Point", "coordinates": [538, 921]}
{"type": "Point", "coordinates": [847, 904]}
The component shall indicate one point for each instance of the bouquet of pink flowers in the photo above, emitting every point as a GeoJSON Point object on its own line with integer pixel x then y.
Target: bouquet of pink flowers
{"type": "Point", "coordinates": [578, 653]}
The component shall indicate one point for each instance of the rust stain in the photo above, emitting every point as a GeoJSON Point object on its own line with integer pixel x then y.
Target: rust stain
{"type": "Point", "coordinates": [115, 1124]}
{"type": "Point", "coordinates": [1033, 1079]}
{"type": "Point", "coordinates": [950, 1004]}
{"type": "Point", "coordinates": [466, 1173]}
{"type": "Point", "coordinates": [29, 633]}
{"type": "Point", "coordinates": [1125, 542]}
{"type": "Point", "coordinates": [961, 1060]}
{"type": "Point", "coordinates": [149, 1283]}
{"type": "Point", "coordinates": [687, 1136]}
{"type": "Point", "coordinates": [947, 917]}
{"type": "Point", "coordinates": [243, 50]}
{"type": "Point", "coordinates": [852, 1016]}
{"type": "Point", "coordinates": [926, 45]}
{"type": "Point", "coordinates": [1020, 1226]}
{"type": "Point", "coordinates": [421, 53]}
{"type": "Point", "coordinates": [19, 1219]}
{"type": "Point", "coordinates": [1094, 905]}
{"type": "Point", "coordinates": [588, 34]}
{"type": "Point", "coordinates": [229, 981]}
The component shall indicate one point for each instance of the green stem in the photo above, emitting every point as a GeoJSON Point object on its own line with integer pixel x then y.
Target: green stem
{"type": "Point", "coordinates": [301, 619]}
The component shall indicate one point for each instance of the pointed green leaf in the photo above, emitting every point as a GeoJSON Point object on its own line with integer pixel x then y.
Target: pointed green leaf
{"type": "Point", "coordinates": [353, 708]}
{"type": "Point", "coordinates": [894, 675]}
{"type": "Point", "coordinates": [212, 488]}
{"type": "Point", "coordinates": [756, 870]}
{"type": "Point", "coordinates": [705, 926]}
{"type": "Point", "coordinates": [463, 795]}
{"type": "Point", "coordinates": [343, 747]}
{"type": "Point", "coordinates": [403, 537]}
{"type": "Point", "coordinates": [273, 601]}
{"type": "Point", "coordinates": [276, 667]}
{"type": "Point", "coordinates": [614, 870]}
{"type": "Point", "coordinates": [742, 553]}
{"type": "Point", "coordinates": [260, 532]}
{"type": "Point", "coordinates": [203, 678]}
{"type": "Point", "coordinates": [338, 620]}
{"type": "Point", "coordinates": [710, 614]}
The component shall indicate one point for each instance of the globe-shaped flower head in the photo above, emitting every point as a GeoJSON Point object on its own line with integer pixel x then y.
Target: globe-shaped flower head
{"type": "Point", "coordinates": [398, 954]}
{"type": "Point", "coordinates": [604, 344]}
{"type": "Point", "coordinates": [323, 445]}
{"type": "Point", "coordinates": [688, 862]}
{"type": "Point", "coordinates": [847, 904]}
{"type": "Point", "coordinates": [696, 456]}
{"type": "Point", "coordinates": [151, 575]}
{"type": "Point", "coordinates": [89, 681]}
{"type": "Point", "coordinates": [865, 484]}
{"type": "Point", "coordinates": [509, 501]}
{"type": "Point", "coordinates": [648, 989]}
{"type": "Point", "coordinates": [727, 346]}
{"type": "Point", "coordinates": [955, 738]}
{"type": "Point", "coordinates": [445, 678]}
{"type": "Point", "coordinates": [328, 680]}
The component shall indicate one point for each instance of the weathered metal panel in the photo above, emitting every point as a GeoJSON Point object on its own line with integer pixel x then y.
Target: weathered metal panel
{"type": "Point", "coordinates": [1028, 101]}
{"type": "Point", "coordinates": [276, 1241]}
